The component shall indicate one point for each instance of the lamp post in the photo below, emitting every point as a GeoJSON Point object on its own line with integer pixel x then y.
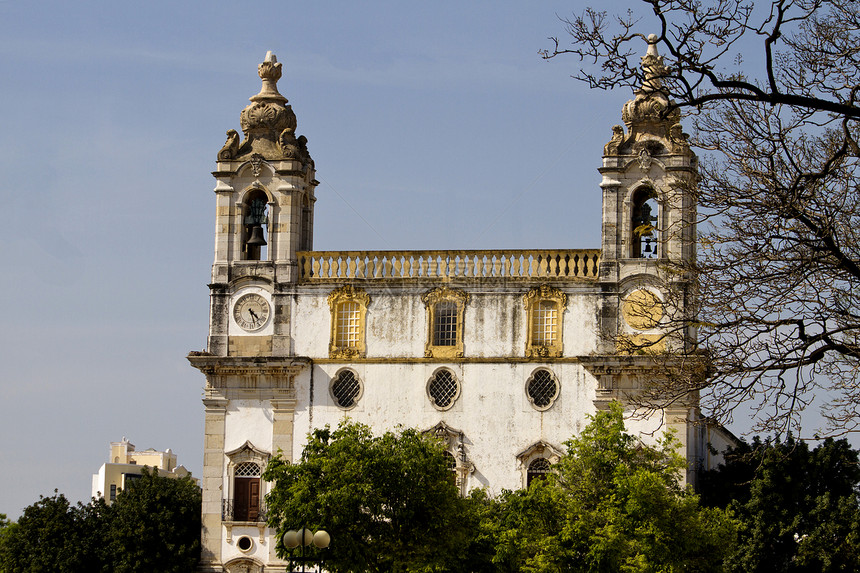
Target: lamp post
{"type": "Point", "coordinates": [303, 538]}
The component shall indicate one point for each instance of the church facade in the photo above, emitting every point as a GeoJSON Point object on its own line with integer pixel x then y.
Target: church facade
{"type": "Point", "coordinates": [502, 354]}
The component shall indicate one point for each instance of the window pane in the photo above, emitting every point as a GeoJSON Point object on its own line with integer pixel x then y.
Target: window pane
{"type": "Point", "coordinates": [542, 388]}
{"type": "Point", "coordinates": [544, 323]}
{"type": "Point", "coordinates": [537, 470]}
{"type": "Point", "coordinates": [345, 389]}
{"type": "Point", "coordinates": [347, 328]}
{"type": "Point", "coordinates": [443, 388]}
{"type": "Point", "coordinates": [445, 328]}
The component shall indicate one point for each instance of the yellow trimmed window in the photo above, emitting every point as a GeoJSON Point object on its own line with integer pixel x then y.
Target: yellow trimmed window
{"type": "Point", "coordinates": [445, 311]}
{"type": "Point", "coordinates": [348, 311]}
{"type": "Point", "coordinates": [544, 306]}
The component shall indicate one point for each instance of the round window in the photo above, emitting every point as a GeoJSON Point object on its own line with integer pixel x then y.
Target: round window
{"type": "Point", "coordinates": [345, 389]}
{"type": "Point", "coordinates": [443, 389]}
{"type": "Point", "coordinates": [244, 543]}
{"type": "Point", "coordinates": [542, 389]}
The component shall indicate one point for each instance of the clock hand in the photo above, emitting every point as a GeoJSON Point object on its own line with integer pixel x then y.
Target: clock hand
{"type": "Point", "coordinates": [253, 314]}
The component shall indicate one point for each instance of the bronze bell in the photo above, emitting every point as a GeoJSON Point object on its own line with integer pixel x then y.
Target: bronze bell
{"type": "Point", "coordinates": [256, 239]}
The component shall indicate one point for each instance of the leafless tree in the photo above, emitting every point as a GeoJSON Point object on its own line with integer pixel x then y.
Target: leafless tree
{"type": "Point", "coordinates": [771, 94]}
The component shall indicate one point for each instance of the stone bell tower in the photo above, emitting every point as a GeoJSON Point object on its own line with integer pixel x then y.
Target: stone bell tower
{"type": "Point", "coordinates": [264, 215]}
{"type": "Point", "coordinates": [649, 173]}
{"type": "Point", "coordinates": [648, 211]}
{"type": "Point", "coordinates": [264, 201]}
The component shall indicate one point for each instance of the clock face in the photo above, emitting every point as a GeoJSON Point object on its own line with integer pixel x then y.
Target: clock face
{"type": "Point", "coordinates": [251, 312]}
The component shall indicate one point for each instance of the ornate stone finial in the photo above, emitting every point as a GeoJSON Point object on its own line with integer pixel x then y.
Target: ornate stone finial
{"type": "Point", "coordinates": [270, 72]}
{"type": "Point", "coordinates": [649, 112]}
{"type": "Point", "coordinates": [652, 65]}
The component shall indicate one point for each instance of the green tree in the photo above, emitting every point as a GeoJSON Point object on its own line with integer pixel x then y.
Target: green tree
{"type": "Point", "coordinates": [50, 536]}
{"type": "Point", "coordinates": [389, 502]}
{"type": "Point", "coordinates": [154, 525]}
{"type": "Point", "coordinates": [772, 92]}
{"type": "Point", "coordinates": [613, 504]}
{"type": "Point", "coordinates": [798, 507]}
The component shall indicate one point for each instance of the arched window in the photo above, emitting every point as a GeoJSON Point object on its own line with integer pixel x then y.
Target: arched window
{"type": "Point", "coordinates": [255, 225]}
{"type": "Point", "coordinates": [644, 240]}
{"type": "Point", "coordinates": [246, 492]}
{"type": "Point", "coordinates": [306, 236]}
{"type": "Point", "coordinates": [538, 469]}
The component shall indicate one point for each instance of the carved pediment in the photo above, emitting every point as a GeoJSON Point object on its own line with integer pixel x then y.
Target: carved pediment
{"type": "Point", "coordinates": [540, 449]}
{"type": "Point", "coordinates": [248, 452]}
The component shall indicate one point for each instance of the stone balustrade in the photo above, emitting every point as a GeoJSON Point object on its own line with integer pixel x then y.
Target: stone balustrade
{"type": "Point", "coordinates": [447, 265]}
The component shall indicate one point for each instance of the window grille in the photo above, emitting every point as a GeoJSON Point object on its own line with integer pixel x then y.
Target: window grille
{"type": "Point", "coordinates": [450, 460]}
{"type": "Point", "coordinates": [443, 388]}
{"type": "Point", "coordinates": [445, 327]}
{"type": "Point", "coordinates": [247, 469]}
{"type": "Point", "coordinates": [345, 389]}
{"type": "Point", "coordinates": [544, 323]}
{"type": "Point", "coordinates": [348, 325]}
{"type": "Point", "coordinates": [542, 388]}
{"type": "Point", "coordinates": [537, 470]}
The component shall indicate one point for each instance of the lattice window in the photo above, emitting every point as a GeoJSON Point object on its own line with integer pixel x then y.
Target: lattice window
{"type": "Point", "coordinates": [445, 327]}
{"type": "Point", "coordinates": [450, 461]}
{"type": "Point", "coordinates": [538, 469]}
{"type": "Point", "coordinates": [346, 388]}
{"type": "Point", "coordinates": [348, 326]}
{"type": "Point", "coordinates": [247, 469]}
{"type": "Point", "coordinates": [544, 306]}
{"type": "Point", "coordinates": [348, 313]}
{"type": "Point", "coordinates": [542, 389]}
{"type": "Point", "coordinates": [545, 323]}
{"type": "Point", "coordinates": [443, 389]}
{"type": "Point", "coordinates": [445, 313]}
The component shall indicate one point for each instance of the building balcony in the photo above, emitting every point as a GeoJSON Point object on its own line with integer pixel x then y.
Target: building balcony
{"type": "Point", "coordinates": [417, 266]}
{"type": "Point", "coordinates": [233, 512]}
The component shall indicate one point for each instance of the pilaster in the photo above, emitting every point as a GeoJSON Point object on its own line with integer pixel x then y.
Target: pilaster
{"type": "Point", "coordinates": [283, 415]}
{"type": "Point", "coordinates": [213, 472]}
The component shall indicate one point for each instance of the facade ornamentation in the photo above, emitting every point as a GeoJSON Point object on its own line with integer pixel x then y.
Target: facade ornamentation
{"type": "Point", "coordinates": [544, 306]}
{"type": "Point", "coordinates": [445, 313]}
{"type": "Point", "coordinates": [616, 142]}
{"type": "Point", "coordinates": [454, 443]}
{"type": "Point", "coordinates": [348, 306]}
{"type": "Point", "coordinates": [231, 148]}
{"type": "Point", "coordinates": [256, 164]}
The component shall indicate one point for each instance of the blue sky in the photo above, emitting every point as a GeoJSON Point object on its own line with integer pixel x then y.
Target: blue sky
{"type": "Point", "coordinates": [432, 125]}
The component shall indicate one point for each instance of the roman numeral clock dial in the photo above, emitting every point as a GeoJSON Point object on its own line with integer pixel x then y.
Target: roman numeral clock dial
{"type": "Point", "coordinates": [251, 312]}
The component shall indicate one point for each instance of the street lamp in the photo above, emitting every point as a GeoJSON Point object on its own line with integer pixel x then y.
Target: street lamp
{"type": "Point", "coordinates": [303, 538]}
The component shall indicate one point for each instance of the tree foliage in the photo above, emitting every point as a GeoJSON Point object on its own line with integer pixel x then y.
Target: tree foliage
{"type": "Point", "coordinates": [772, 91]}
{"type": "Point", "coordinates": [154, 525]}
{"type": "Point", "coordinates": [613, 504]}
{"type": "Point", "coordinates": [389, 502]}
{"type": "Point", "coordinates": [49, 536]}
{"type": "Point", "coordinates": [798, 507]}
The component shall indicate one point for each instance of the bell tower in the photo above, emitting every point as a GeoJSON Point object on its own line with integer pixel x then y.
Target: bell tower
{"type": "Point", "coordinates": [264, 215]}
{"type": "Point", "coordinates": [649, 213]}
{"type": "Point", "coordinates": [264, 202]}
{"type": "Point", "coordinates": [649, 176]}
